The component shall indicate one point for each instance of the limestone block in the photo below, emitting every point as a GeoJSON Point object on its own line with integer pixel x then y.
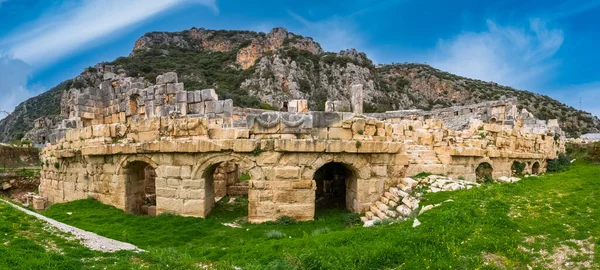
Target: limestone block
{"type": "Point", "coordinates": [358, 126]}
{"type": "Point", "coordinates": [166, 192]}
{"type": "Point", "coordinates": [245, 145]}
{"type": "Point", "coordinates": [222, 133]}
{"type": "Point", "coordinates": [209, 95]}
{"type": "Point", "coordinates": [213, 106]}
{"type": "Point", "coordinates": [380, 170]}
{"type": "Point", "coordinates": [336, 133]}
{"type": "Point", "coordinates": [181, 97]}
{"type": "Point", "coordinates": [293, 196]}
{"type": "Point", "coordinates": [169, 77]}
{"type": "Point", "coordinates": [227, 107]}
{"type": "Point", "coordinates": [287, 172]}
{"type": "Point", "coordinates": [194, 183]}
{"type": "Point", "coordinates": [303, 184]}
{"type": "Point", "coordinates": [370, 130]}
{"type": "Point", "coordinates": [169, 205]}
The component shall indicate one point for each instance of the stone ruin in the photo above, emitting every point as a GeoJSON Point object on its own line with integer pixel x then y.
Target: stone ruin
{"type": "Point", "coordinates": [151, 149]}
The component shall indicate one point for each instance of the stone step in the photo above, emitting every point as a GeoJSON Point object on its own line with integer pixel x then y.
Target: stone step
{"type": "Point", "coordinates": [369, 215]}
{"type": "Point", "coordinates": [391, 196]}
{"type": "Point", "coordinates": [384, 200]}
{"type": "Point", "coordinates": [364, 219]}
{"type": "Point", "coordinates": [378, 212]}
{"type": "Point", "coordinates": [381, 206]}
{"type": "Point", "coordinates": [391, 213]}
{"type": "Point", "coordinates": [403, 210]}
{"type": "Point", "coordinates": [392, 204]}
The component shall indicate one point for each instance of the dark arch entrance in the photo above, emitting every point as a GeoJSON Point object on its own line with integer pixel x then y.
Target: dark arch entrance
{"type": "Point", "coordinates": [535, 169]}
{"type": "Point", "coordinates": [518, 168]}
{"type": "Point", "coordinates": [333, 182]}
{"type": "Point", "coordinates": [483, 173]}
{"type": "Point", "coordinates": [140, 188]}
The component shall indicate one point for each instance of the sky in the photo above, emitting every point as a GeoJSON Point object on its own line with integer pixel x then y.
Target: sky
{"type": "Point", "coordinates": [549, 47]}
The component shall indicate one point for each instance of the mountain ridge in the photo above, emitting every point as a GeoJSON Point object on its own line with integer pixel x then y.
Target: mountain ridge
{"type": "Point", "coordinates": [261, 70]}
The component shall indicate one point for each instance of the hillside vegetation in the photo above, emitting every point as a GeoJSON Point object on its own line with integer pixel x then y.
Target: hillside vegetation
{"type": "Point", "coordinates": [261, 70]}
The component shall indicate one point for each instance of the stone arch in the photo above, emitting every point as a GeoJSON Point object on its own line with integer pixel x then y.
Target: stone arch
{"type": "Point", "coordinates": [361, 171]}
{"type": "Point", "coordinates": [357, 163]}
{"type": "Point", "coordinates": [493, 120]}
{"type": "Point", "coordinates": [535, 168]}
{"type": "Point", "coordinates": [125, 160]}
{"type": "Point", "coordinates": [518, 168]}
{"type": "Point", "coordinates": [140, 187]}
{"type": "Point", "coordinates": [334, 182]}
{"type": "Point", "coordinates": [484, 172]}
{"type": "Point", "coordinates": [205, 169]}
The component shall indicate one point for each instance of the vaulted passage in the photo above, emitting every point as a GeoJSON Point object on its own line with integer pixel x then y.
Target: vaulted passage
{"type": "Point", "coordinates": [229, 180]}
{"type": "Point", "coordinates": [140, 189]}
{"type": "Point", "coordinates": [333, 180]}
{"type": "Point", "coordinates": [483, 172]}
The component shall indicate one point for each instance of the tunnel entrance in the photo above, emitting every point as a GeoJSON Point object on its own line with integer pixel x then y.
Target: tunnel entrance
{"type": "Point", "coordinates": [483, 172]}
{"type": "Point", "coordinates": [332, 180]}
{"type": "Point", "coordinates": [535, 169]}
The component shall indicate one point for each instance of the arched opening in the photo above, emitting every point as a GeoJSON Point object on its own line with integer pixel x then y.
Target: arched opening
{"type": "Point", "coordinates": [224, 179]}
{"type": "Point", "coordinates": [140, 188]}
{"type": "Point", "coordinates": [133, 104]}
{"type": "Point", "coordinates": [535, 169]}
{"type": "Point", "coordinates": [483, 173]}
{"type": "Point", "coordinates": [493, 120]}
{"type": "Point", "coordinates": [229, 180]}
{"type": "Point", "coordinates": [518, 168]}
{"type": "Point", "coordinates": [333, 186]}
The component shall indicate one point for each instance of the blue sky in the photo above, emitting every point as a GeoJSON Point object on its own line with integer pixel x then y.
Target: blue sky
{"type": "Point", "coordinates": [549, 47]}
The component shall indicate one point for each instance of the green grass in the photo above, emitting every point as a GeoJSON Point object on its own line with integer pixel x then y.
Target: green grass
{"type": "Point", "coordinates": [27, 243]}
{"type": "Point", "coordinates": [514, 223]}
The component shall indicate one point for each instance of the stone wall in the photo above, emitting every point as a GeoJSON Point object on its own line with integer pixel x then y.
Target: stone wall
{"type": "Point", "coordinates": [279, 153]}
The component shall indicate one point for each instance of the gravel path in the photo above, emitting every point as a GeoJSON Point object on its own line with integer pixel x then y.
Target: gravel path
{"type": "Point", "coordinates": [88, 239]}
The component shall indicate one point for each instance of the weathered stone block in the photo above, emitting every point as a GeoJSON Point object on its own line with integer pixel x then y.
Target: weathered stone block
{"type": "Point", "coordinates": [209, 95]}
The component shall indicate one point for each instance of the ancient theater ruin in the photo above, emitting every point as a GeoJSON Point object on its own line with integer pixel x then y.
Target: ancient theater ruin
{"type": "Point", "coordinates": [151, 149]}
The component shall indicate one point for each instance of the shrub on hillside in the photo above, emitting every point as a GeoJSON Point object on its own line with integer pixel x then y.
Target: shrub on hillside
{"type": "Point", "coordinates": [562, 163]}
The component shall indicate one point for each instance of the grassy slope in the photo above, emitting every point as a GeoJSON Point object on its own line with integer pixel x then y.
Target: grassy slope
{"type": "Point", "coordinates": [500, 219]}
{"type": "Point", "coordinates": [27, 243]}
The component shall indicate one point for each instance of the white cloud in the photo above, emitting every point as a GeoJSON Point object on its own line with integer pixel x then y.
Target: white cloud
{"type": "Point", "coordinates": [75, 27]}
{"type": "Point", "coordinates": [13, 83]}
{"type": "Point", "coordinates": [57, 35]}
{"type": "Point", "coordinates": [510, 55]}
{"type": "Point", "coordinates": [334, 34]}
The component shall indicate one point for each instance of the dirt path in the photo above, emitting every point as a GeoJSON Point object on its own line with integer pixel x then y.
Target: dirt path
{"type": "Point", "coordinates": [88, 239]}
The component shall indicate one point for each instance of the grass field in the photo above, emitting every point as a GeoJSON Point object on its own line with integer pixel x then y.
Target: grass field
{"type": "Point", "coordinates": [545, 222]}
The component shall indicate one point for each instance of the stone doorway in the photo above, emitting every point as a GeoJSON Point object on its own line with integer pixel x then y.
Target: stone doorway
{"type": "Point", "coordinates": [140, 188]}
{"type": "Point", "coordinates": [483, 173]}
{"type": "Point", "coordinates": [535, 169]}
{"type": "Point", "coordinates": [333, 180]}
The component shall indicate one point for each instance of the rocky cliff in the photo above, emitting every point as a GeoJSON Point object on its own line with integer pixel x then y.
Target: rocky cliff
{"type": "Point", "coordinates": [262, 70]}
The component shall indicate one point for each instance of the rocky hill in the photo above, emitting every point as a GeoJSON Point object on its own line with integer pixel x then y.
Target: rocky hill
{"type": "Point", "coordinates": [261, 70]}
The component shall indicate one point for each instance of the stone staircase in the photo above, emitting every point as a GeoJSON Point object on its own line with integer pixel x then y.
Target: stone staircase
{"type": "Point", "coordinates": [396, 203]}
{"type": "Point", "coordinates": [401, 203]}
